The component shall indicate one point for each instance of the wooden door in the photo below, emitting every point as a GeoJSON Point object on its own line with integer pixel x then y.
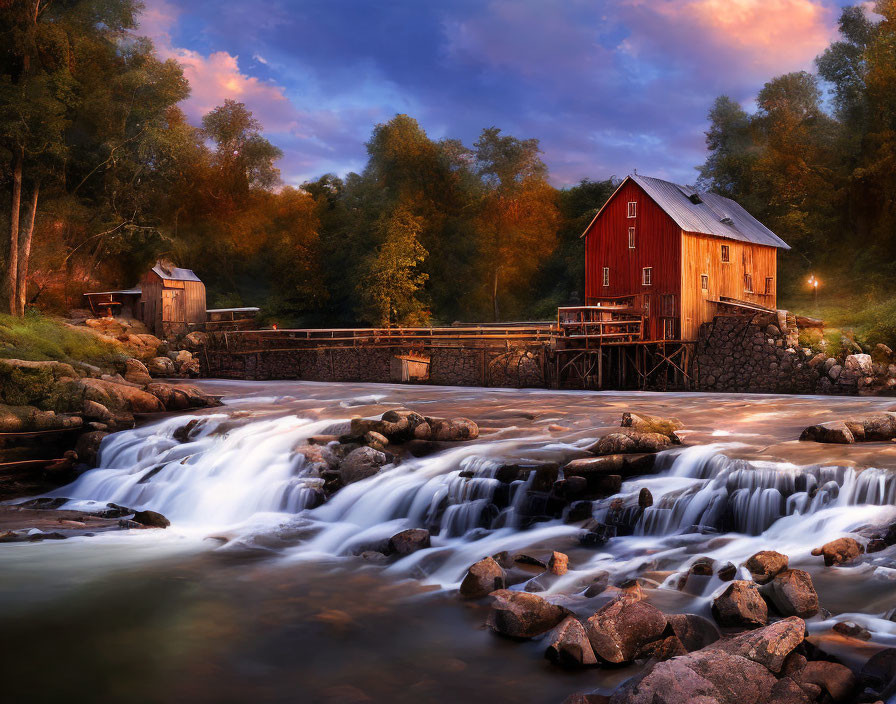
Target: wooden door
{"type": "Point", "coordinates": [173, 305]}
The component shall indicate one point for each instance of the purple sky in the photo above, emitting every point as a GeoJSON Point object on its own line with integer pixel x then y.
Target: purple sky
{"type": "Point", "coordinates": [607, 86]}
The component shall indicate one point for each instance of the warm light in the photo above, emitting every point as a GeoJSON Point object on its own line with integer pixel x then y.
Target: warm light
{"type": "Point", "coordinates": [274, 326]}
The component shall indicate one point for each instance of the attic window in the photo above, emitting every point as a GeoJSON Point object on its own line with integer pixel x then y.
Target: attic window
{"type": "Point", "coordinates": [632, 209]}
{"type": "Point", "coordinates": [704, 282]}
{"type": "Point", "coordinates": [647, 276]}
{"type": "Point", "coordinates": [631, 238]}
{"type": "Point", "coordinates": [606, 276]}
{"type": "Point", "coordinates": [726, 253]}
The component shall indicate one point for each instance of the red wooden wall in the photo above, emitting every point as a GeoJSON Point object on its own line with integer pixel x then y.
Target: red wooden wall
{"type": "Point", "coordinates": [657, 245]}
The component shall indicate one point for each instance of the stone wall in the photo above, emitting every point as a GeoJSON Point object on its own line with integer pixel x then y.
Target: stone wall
{"type": "Point", "coordinates": [761, 354]}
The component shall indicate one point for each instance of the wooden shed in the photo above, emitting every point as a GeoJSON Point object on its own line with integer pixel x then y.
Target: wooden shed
{"type": "Point", "coordinates": [677, 255]}
{"type": "Point", "coordinates": [172, 300]}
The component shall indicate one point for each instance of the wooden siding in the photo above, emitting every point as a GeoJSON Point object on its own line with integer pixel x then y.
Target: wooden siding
{"type": "Point", "coordinates": [169, 306]}
{"type": "Point", "coordinates": [702, 255]}
{"type": "Point", "coordinates": [657, 245]}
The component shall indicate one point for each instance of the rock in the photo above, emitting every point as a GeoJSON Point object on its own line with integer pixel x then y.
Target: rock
{"type": "Point", "coordinates": [151, 519]}
{"type": "Point", "coordinates": [136, 372]}
{"type": "Point", "coordinates": [599, 584]}
{"type": "Point", "coordinates": [173, 398]}
{"type": "Point", "coordinates": [482, 579]}
{"type": "Point", "coordinates": [879, 672]}
{"type": "Point", "coordinates": [786, 691]}
{"type": "Point", "coordinates": [859, 363]}
{"type": "Point", "coordinates": [361, 463]}
{"type": "Point", "coordinates": [161, 366]}
{"type": "Point", "coordinates": [835, 679]}
{"type": "Point", "coordinates": [586, 698]}
{"type": "Point", "coordinates": [740, 605]}
{"type": "Point", "coordinates": [558, 564]}
{"type": "Point", "coordinates": [113, 395]}
{"type": "Point", "coordinates": [727, 572]}
{"type": "Point", "coordinates": [452, 429]}
{"type": "Point", "coordinates": [522, 614]}
{"type": "Point", "coordinates": [881, 427]}
{"type": "Point", "coordinates": [621, 628]}
{"type": "Point", "coordinates": [643, 423]}
{"type": "Point", "coordinates": [665, 649]}
{"type": "Point", "coordinates": [852, 630]}
{"type": "Point", "coordinates": [15, 419]}
{"type": "Point", "coordinates": [88, 447]}
{"type": "Point", "coordinates": [91, 410]}
{"type": "Point", "coordinates": [839, 551]}
{"type": "Point", "coordinates": [645, 498]}
{"type": "Point", "coordinates": [769, 646]}
{"type": "Point", "coordinates": [836, 432]}
{"type": "Point", "coordinates": [569, 645]}
{"type": "Point", "coordinates": [627, 443]}
{"type": "Point", "coordinates": [375, 440]}
{"type": "Point", "coordinates": [764, 565]}
{"type": "Point", "coordinates": [188, 367]}
{"type": "Point", "coordinates": [694, 632]}
{"type": "Point", "coordinates": [593, 469]}
{"type": "Point", "coordinates": [408, 541]}
{"type": "Point", "coordinates": [792, 594]}
{"type": "Point", "coordinates": [705, 677]}
{"type": "Point", "coordinates": [195, 340]}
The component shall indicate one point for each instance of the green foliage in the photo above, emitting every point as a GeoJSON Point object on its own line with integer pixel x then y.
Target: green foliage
{"type": "Point", "coordinates": [37, 338]}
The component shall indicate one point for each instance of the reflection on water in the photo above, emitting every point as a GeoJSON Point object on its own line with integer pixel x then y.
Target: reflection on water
{"type": "Point", "coordinates": [256, 594]}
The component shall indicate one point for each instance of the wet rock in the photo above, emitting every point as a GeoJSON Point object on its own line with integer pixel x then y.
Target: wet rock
{"type": "Point", "coordinates": [693, 631]}
{"type": "Point", "coordinates": [770, 645]}
{"type": "Point", "coordinates": [375, 440]}
{"type": "Point", "coordinates": [879, 672]}
{"type": "Point", "coordinates": [668, 647]}
{"type": "Point", "coordinates": [643, 423]}
{"type": "Point", "coordinates": [452, 429]}
{"type": "Point", "coordinates": [631, 589]}
{"type": "Point", "coordinates": [786, 691]}
{"type": "Point", "coordinates": [569, 645]}
{"type": "Point", "coordinates": [764, 565]}
{"type": "Point", "coordinates": [136, 372]}
{"type": "Point", "coordinates": [599, 584]}
{"type": "Point", "coordinates": [859, 363]}
{"type": "Point", "coordinates": [408, 541]}
{"type": "Point", "coordinates": [645, 498]}
{"type": "Point", "coordinates": [151, 519]}
{"type": "Point", "coordinates": [361, 463]}
{"type": "Point", "coordinates": [593, 469]}
{"type": "Point", "coordinates": [792, 594]}
{"type": "Point", "coordinates": [705, 677]}
{"type": "Point", "coordinates": [727, 572]}
{"type": "Point", "coordinates": [740, 605]}
{"type": "Point", "coordinates": [852, 630]}
{"type": "Point", "coordinates": [482, 579]}
{"type": "Point", "coordinates": [161, 366]}
{"type": "Point", "coordinates": [836, 432]}
{"type": "Point", "coordinates": [839, 551]}
{"type": "Point", "coordinates": [626, 443]}
{"type": "Point", "coordinates": [558, 564]}
{"type": "Point", "coordinates": [88, 446]}
{"type": "Point", "coordinates": [621, 628]}
{"type": "Point", "coordinates": [91, 410]}
{"type": "Point", "coordinates": [523, 615]}
{"type": "Point", "coordinates": [835, 679]}
{"type": "Point", "coordinates": [528, 561]}
{"type": "Point", "coordinates": [586, 698]}
{"type": "Point", "coordinates": [14, 419]}
{"type": "Point", "coordinates": [374, 556]}
{"type": "Point", "coordinates": [579, 511]}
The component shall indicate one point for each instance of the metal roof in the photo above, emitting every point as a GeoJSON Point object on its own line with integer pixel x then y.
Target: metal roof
{"type": "Point", "coordinates": [130, 291]}
{"type": "Point", "coordinates": [707, 213]}
{"type": "Point", "coordinates": [247, 309]}
{"type": "Point", "coordinates": [173, 273]}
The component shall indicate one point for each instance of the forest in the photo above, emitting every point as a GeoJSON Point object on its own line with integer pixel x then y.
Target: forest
{"type": "Point", "coordinates": [102, 173]}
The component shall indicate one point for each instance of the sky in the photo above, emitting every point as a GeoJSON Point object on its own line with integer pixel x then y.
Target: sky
{"type": "Point", "coordinates": [607, 86]}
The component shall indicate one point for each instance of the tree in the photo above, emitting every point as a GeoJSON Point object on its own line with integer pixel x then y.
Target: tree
{"type": "Point", "coordinates": [393, 279]}
{"type": "Point", "coordinates": [518, 217]}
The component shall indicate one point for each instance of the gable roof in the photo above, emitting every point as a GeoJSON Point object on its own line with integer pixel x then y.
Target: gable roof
{"type": "Point", "coordinates": [704, 213]}
{"type": "Point", "coordinates": [173, 273]}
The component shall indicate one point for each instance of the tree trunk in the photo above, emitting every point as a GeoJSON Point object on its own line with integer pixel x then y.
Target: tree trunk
{"type": "Point", "coordinates": [495, 295]}
{"type": "Point", "coordinates": [25, 254]}
{"type": "Point", "coordinates": [13, 263]}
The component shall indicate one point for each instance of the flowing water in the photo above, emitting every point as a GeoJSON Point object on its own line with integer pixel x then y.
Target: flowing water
{"type": "Point", "coordinates": [258, 593]}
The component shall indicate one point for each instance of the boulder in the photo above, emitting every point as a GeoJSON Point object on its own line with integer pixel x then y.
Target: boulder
{"type": "Point", "coordinates": [91, 410]}
{"type": "Point", "coordinates": [375, 440]}
{"type": "Point", "coordinates": [195, 340]}
{"type": "Point", "coordinates": [879, 672]}
{"type": "Point", "coordinates": [664, 649]}
{"type": "Point", "coordinates": [16, 419]}
{"type": "Point", "coordinates": [558, 564]}
{"type": "Point", "coordinates": [151, 519]}
{"type": "Point", "coordinates": [482, 579]}
{"type": "Point", "coordinates": [88, 447]}
{"type": "Point", "coordinates": [705, 677]}
{"type": "Point", "coordinates": [645, 498]}
{"type": "Point", "coordinates": [26, 383]}
{"type": "Point", "coordinates": [839, 551]}
{"type": "Point", "coordinates": [452, 429]}
{"type": "Point", "coordinates": [136, 372]}
{"type": "Point", "coordinates": [740, 605]}
{"type": "Point", "coordinates": [880, 427]}
{"type": "Point", "coordinates": [569, 645]}
{"type": "Point", "coordinates": [770, 645]}
{"type": "Point", "coordinates": [621, 628]}
{"type": "Point", "coordinates": [116, 396]}
{"type": "Point", "coordinates": [161, 366]}
{"type": "Point", "coordinates": [643, 423]}
{"type": "Point", "coordinates": [173, 398]}
{"type": "Point", "coordinates": [408, 541]}
{"type": "Point", "coordinates": [764, 565]}
{"type": "Point", "coordinates": [522, 614]}
{"type": "Point", "coordinates": [593, 469]}
{"type": "Point", "coordinates": [851, 630]}
{"type": "Point", "coordinates": [792, 593]}
{"type": "Point", "coordinates": [859, 363]}
{"type": "Point", "coordinates": [188, 368]}
{"type": "Point", "coordinates": [361, 463]}
{"type": "Point", "coordinates": [727, 572]}
{"type": "Point", "coordinates": [627, 443]}
{"type": "Point", "coordinates": [835, 431]}
{"type": "Point", "coordinates": [694, 632]}
{"type": "Point", "coordinates": [835, 679]}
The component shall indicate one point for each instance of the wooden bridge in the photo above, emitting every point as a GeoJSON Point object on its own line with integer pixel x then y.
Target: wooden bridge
{"type": "Point", "coordinates": [597, 346]}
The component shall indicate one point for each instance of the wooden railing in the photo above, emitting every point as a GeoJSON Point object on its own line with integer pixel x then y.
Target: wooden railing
{"type": "Point", "coordinates": [601, 323]}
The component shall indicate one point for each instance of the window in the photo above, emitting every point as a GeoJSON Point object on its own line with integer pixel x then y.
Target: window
{"type": "Point", "coordinates": [631, 238]}
{"type": "Point", "coordinates": [647, 275]}
{"type": "Point", "coordinates": [726, 253]}
{"type": "Point", "coordinates": [606, 276]}
{"type": "Point", "coordinates": [704, 282]}
{"type": "Point", "coordinates": [668, 302]}
{"type": "Point", "coordinates": [632, 209]}
{"type": "Point", "coordinates": [748, 283]}
{"type": "Point", "coordinates": [670, 328]}
{"type": "Point", "coordinates": [769, 285]}
{"type": "Point", "coordinates": [647, 304]}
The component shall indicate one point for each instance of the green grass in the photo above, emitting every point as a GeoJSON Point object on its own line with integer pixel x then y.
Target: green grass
{"type": "Point", "coordinates": [38, 338]}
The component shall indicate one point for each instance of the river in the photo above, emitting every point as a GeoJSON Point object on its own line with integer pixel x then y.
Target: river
{"type": "Point", "coordinates": [252, 596]}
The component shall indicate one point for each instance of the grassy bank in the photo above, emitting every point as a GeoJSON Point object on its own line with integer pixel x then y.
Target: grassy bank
{"type": "Point", "coordinates": [36, 337]}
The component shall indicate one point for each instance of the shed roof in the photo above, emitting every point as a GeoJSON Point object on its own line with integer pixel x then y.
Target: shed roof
{"type": "Point", "coordinates": [173, 273]}
{"type": "Point", "coordinates": [128, 291]}
{"type": "Point", "coordinates": [704, 213]}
